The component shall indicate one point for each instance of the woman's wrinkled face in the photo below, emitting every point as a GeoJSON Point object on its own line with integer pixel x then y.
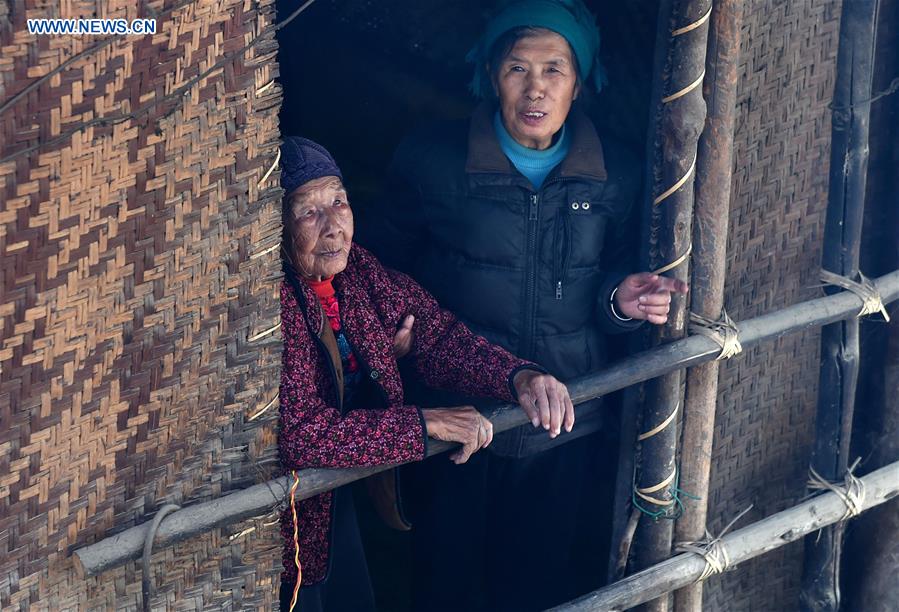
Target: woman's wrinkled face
{"type": "Point", "coordinates": [536, 84]}
{"type": "Point", "coordinates": [321, 227]}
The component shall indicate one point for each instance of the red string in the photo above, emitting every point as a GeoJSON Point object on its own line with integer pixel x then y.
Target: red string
{"type": "Point", "coordinates": [296, 540]}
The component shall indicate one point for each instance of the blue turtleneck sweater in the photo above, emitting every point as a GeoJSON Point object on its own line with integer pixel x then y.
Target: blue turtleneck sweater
{"type": "Point", "coordinates": [532, 163]}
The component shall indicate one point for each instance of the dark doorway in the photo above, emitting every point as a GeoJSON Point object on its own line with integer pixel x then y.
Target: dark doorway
{"type": "Point", "coordinates": [360, 75]}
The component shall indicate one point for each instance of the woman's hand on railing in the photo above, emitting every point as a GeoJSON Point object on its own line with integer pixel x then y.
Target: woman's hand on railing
{"type": "Point", "coordinates": [461, 424]}
{"type": "Point", "coordinates": [545, 400]}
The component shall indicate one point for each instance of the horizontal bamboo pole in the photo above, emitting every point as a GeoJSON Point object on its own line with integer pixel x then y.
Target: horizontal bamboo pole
{"type": "Point", "coordinates": [746, 543]}
{"type": "Point", "coordinates": [259, 499]}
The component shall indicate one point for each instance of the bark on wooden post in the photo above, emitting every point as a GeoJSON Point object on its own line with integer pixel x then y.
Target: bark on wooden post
{"type": "Point", "coordinates": [842, 239]}
{"type": "Point", "coordinates": [713, 186]}
{"type": "Point", "coordinates": [677, 120]}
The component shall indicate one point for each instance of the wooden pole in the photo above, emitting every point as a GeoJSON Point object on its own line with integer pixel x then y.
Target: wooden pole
{"type": "Point", "coordinates": [259, 499]}
{"type": "Point", "coordinates": [870, 582]}
{"type": "Point", "coordinates": [648, 538]}
{"type": "Point", "coordinates": [713, 186]}
{"type": "Point", "coordinates": [842, 241]}
{"type": "Point", "coordinates": [741, 545]}
{"type": "Point", "coordinates": [677, 120]}
{"type": "Point", "coordinates": [875, 537]}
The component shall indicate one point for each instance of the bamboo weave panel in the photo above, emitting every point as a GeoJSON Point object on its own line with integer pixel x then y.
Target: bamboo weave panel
{"type": "Point", "coordinates": [766, 402]}
{"type": "Point", "coordinates": [128, 293]}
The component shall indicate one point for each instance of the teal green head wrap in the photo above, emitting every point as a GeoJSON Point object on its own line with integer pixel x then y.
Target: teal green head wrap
{"type": "Point", "coordinates": [569, 18]}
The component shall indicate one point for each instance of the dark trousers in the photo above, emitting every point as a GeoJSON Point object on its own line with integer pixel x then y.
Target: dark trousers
{"type": "Point", "coordinates": [347, 587]}
{"type": "Point", "coordinates": [510, 534]}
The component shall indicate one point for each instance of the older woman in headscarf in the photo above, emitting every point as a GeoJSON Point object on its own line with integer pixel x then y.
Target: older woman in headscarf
{"type": "Point", "coordinates": [516, 220]}
{"type": "Point", "coordinates": [341, 398]}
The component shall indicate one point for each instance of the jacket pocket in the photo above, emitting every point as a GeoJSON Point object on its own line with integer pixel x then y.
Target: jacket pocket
{"type": "Point", "coordinates": [561, 250]}
{"type": "Point", "coordinates": [586, 234]}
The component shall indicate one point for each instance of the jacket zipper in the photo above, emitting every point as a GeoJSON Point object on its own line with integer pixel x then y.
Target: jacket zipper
{"type": "Point", "coordinates": [530, 294]}
{"type": "Point", "coordinates": [562, 250]}
{"type": "Point", "coordinates": [557, 255]}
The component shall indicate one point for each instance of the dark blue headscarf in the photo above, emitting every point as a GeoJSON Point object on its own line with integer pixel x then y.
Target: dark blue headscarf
{"type": "Point", "coordinates": [568, 18]}
{"type": "Point", "coordinates": [303, 160]}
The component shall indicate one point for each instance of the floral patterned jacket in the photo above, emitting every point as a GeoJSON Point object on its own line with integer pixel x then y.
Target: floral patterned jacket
{"type": "Point", "coordinates": [315, 430]}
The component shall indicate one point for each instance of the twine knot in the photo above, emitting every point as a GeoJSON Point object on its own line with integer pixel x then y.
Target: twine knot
{"type": "Point", "coordinates": [852, 491]}
{"type": "Point", "coordinates": [711, 549]}
{"type": "Point", "coordinates": [723, 332]}
{"type": "Point", "coordinates": [670, 495]}
{"type": "Point", "coordinates": [863, 288]}
{"type": "Point", "coordinates": [646, 493]}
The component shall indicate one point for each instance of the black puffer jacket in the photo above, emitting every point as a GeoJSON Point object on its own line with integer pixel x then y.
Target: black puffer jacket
{"type": "Point", "coordinates": [531, 270]}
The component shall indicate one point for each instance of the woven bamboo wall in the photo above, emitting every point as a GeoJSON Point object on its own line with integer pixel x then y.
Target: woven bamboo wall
{"type": "Point", "coordinates": [140, 259]}
{"type": "Point", "coordinates": [766, 402]}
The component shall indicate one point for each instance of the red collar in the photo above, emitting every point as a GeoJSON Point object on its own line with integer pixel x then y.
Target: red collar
{"type": "Point", "coordinates": [323, 288]}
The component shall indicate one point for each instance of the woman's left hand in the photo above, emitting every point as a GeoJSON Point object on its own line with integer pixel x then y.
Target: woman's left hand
{"type": "Point", "coordinates": [402, 340]}
{"type": "Point", "coordinates": [647, 296]}
{"type": "Point", "coordinates": [545, 400]}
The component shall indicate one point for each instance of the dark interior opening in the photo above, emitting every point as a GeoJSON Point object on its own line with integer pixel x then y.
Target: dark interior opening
{"type": "Point", "coordinates": [359, 75]}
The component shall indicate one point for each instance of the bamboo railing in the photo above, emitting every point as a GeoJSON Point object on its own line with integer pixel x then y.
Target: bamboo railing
{"type": "Point", "coordinates": [757, 539]}
{"type": "Point", "coordinates": [259, 499]}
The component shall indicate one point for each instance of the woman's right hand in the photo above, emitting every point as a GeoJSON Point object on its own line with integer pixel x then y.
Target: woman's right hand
{"type": "Point", "coordinates": [461, 424]}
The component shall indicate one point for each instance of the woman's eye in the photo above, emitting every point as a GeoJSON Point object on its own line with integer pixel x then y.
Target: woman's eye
{"type": "Point", "coordinates": [338, 202]}
{"type": "Point", "coordinates": [516, 69]}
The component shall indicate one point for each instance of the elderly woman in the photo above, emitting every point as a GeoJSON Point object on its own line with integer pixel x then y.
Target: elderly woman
{"type": "Point", "coordinates": [341, 397]}
{"type": "Point", "coordinates": [516, 221]}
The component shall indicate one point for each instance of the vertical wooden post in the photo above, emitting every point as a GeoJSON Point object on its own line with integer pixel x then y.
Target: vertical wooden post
{"type": "Point", "coordinates": [842, 239]}
{"type": "Point", "coordinates": [872, 542]}
{"type": "Point", "coordinates": [713, 187]}
{"type": "Point", "coordinates": [677, 120]}
{"type": "Point", "coordinates": [876, 534]}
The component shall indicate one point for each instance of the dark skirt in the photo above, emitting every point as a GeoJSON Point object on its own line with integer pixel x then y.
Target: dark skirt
{"type": "Point", "coordinates": [506, 534]}
{"type": "Point", "coordinates": [347, 588]}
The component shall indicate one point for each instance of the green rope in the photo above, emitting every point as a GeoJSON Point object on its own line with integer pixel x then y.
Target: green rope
{"type": "Point", "coordinates": [676, 503]}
